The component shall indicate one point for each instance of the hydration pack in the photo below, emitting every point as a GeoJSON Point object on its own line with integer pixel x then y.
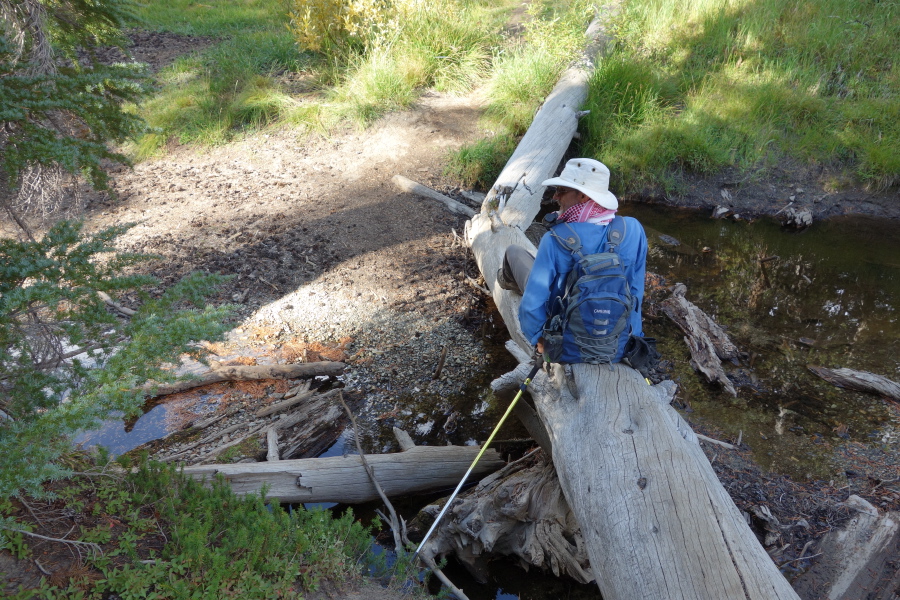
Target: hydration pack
{"type": "Point", "coordinates": [590, 322]}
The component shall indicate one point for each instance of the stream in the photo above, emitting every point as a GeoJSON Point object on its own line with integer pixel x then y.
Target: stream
{"type": "Point", "coordinates": [826, 296]}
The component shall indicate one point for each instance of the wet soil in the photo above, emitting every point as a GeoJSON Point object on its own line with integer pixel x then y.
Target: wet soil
{"type": "Point", "coordinates": [823, 191]}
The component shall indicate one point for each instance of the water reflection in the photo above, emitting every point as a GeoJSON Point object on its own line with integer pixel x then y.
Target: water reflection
{"type": "Point", "coordinates": [117, 439]}
{"type": "Point", "coordinates": [826, 296]}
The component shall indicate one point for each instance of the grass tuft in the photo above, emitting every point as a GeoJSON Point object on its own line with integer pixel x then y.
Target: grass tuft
{"type": "Point", "coordinates": [741, 84]}
{"type": "Point", "coordinates": [479, 164]}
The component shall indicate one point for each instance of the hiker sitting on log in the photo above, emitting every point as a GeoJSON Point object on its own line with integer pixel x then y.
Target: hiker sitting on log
{"type": "Point", "coordinates": [582, 293]}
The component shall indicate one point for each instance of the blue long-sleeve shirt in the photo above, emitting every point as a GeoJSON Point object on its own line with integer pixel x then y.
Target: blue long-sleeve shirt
{"type": "Point", "coordinates": [552, 264]}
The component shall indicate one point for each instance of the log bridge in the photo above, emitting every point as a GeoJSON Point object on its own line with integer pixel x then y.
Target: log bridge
{"type": "Point", "coordinates": [654, 519]}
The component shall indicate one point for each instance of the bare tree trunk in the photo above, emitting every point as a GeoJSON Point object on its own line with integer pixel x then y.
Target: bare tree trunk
{"type": "Point", "coordinates": [343, 478]}
{"type": "Point", "coordinates": [655, 520]}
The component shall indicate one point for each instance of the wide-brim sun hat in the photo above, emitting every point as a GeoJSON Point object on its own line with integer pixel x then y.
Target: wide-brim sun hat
{"type": "Point", "coordinates": [589, 176]}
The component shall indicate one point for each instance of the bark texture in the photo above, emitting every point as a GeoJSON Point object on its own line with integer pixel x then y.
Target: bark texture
{"type": "Point", "coordinates": [519, 511]}
{"type": "Point", "coordinates": [248, 373]}
{"type": "Point", "coordinates": [655, 520]}
{"type": "Point", "coordinates": [708, 342]}
{"type": "Point", "coordinates": [861, 381]}
{"type": "Point", "coordinates": [343, 478]}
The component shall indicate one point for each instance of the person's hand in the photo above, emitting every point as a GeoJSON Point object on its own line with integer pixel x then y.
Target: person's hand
{"type": "Point", "coordinates": [540, 346]}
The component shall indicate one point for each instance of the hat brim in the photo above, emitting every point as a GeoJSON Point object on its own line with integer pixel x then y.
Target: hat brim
{"type": "Point", "coordinates": [604, 198]}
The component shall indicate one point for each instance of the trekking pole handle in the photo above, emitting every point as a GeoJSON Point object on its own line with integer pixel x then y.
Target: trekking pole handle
{"type": "Point", "coordinates": [537, 367]}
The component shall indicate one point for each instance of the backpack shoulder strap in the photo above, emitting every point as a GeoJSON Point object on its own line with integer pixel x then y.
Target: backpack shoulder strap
{"type": "Point", "coordinates": [615, 234]}
{"type": "Point", "coordinates": [567, 239]}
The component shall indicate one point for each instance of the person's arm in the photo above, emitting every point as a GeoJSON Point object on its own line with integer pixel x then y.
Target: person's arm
{"type": "Point", "coordinates": [535, 306]}
{"type": "Point", "coordinates": [637, 272]}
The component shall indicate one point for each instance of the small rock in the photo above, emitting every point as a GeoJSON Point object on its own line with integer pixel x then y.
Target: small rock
{"type": "Point", "coordinates": [798, 218]}
{"type": "Point", "coordinates": [720, 212]}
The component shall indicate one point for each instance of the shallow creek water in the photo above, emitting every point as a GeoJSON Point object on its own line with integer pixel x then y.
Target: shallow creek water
{"type": "Point", "coordinates": [826, 296]}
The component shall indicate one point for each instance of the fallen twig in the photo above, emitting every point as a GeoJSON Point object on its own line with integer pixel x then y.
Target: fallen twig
{"type": "Point", "coordinates": [714, 441]}
{"type": "Point", "coordinates": [94, 548]}
{"type": "Point", "coordinates": [799, 559]}
{"type": "Point", "coordinates": [440, 364]}
{"type": "Point", "coordinates": [123, 310]}
{"type": "Point", "coordinates": [398, 526]}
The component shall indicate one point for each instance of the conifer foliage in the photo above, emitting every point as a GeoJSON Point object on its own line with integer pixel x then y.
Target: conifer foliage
{"type": "Point", "coordinates": [59, 106]}
{"type": "Point", "coordinates": [66, 359]}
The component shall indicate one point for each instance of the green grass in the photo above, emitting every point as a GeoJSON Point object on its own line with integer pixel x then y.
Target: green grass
{"type": "Point", "coordinates": [445, 45]}
{"type": "Point", "coordinates": [239, 84]}
{"type": "Point", "coordinates": [479, 164]}
{"type": "Point", "coordinates": [708, 85]}
{"type": "Point", "coordinates": [236, 85]}
{"type": "Point", "coordinates": [524, 72]}
{"type": "Point", "coordinates": [210, 17]}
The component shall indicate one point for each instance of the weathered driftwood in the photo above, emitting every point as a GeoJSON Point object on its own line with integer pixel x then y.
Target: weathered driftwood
{"type": "Point", "coordinates": [211, 455]}
{"type": "Point", "coordinates": [272, 452]}
{"type": "Point", "coordinates": [313, 427]}
{"type": "Point", "coordinates": [404, 439]}
{"type": "Point", "coordinates": [308, 431]}
{"type": "Point", "coordinates": [408, 185]}
{"type": "Point", "coordinates": [858, 561]}
{"type": "Point", "coordinates": [343, 479]}
{"type": "Point", "coordinates": [861, 381]}
{"type": "Point", "coordinates": [518, 511]}
{"type": "Point", "coordinates": [655, 519]}
{"type": "Point", "coordinates": [708, 342]}
{"type": "Point", "coordinates": [248, 373]}
{"type": "Point", "coordinates": [543, 146]}
{"type": "Point", "coordinates": [285, 404]}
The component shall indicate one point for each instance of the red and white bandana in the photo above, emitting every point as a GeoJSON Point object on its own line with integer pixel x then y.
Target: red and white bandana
{"type": "Point", "coordinates": [587, 212]}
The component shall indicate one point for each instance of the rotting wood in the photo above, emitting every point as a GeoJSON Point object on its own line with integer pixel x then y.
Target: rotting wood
{"type": "Point", "coordinates": [343, 479]}
{"type": "Point", "coordinates": [311, 428]}
{"type": "Point", "coordinates": [210, 455]}
{"type": "Point", "coordinates": [272, 444]}
{"type": "Point", "coordinates": [655, 519]}
{"type": "Point", "coordinates": [518, 512]}
{"type": "Point", "coordinates": [285, 404]}
{"type": "Point", "coordinates": [408, 185]}
{"type": "Point", "coordinates": [861, 381]}
{"type": "Point", "coordinates": [248, 373]}
{"type": "Point", "coordinates": [707, 341]}
{"type": "Point", "coordinates": [404, 439]}
{"type": "Point", "coordinates": [858, 560]}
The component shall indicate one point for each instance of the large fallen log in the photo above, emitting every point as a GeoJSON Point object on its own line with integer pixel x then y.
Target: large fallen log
{"type": "Point", "coordinates": [655, 519]}
{"type": "Point", "coordinates": [707, 341]}
{"type": "Point", "coordinates": [861, 381]}
{"type": "Point", "coordinates": [343, 478]}
{"type": "Point", "coordinates": [247, 373]}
